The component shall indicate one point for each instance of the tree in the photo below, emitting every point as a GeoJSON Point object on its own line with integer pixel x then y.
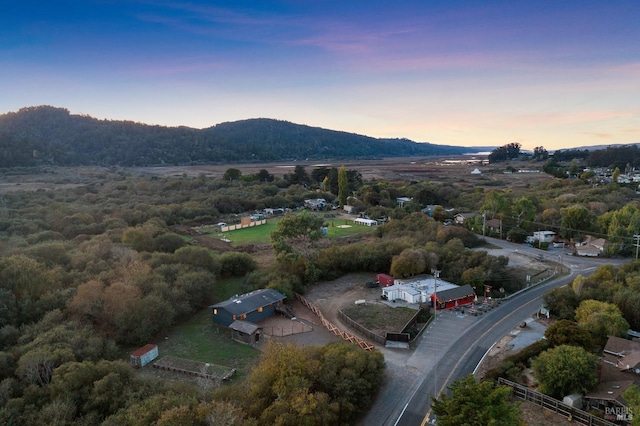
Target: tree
{"type": "Point", "coordinates": [575, 220]}
{"type": "Point", "coordinates": [312, 385]}
{"type": "Point", "coordinates": [565, 332]}
{"type": "Point", "coordinates": [299, 176]}
{"type": "Point", "coordinates": [350, 376]}
{"type": "Point", "coordinates": [564, 370]}
{"type": "Point", "coordinates": [632, 396]}
{"type": "Point", "coordinates": [98, 389]}
{"type": "Point", "coordinates": [237, 264]}
{"type": "Point", "coordinates": [562, 302]}
{"type": "Point", "coordinates": [87, 303]}
{"type": "Point", "coordinates": [296, 230]}
{"type": "Point", "coordinates": [523, 211]}
{"type": "Point", "coordinates": [615, 175]}
{"type": "Point", "coordinates": [137, 239]}
{"type": "Point", "coordinates": [506, 152]}
{"type": "Point", "coordinates": [540, 153]}
{"type": "Point", "coordinates": [476, 403]}
{"type": "Point", "coordinates": [601, 319]}
{"type": "Point", "coordinates": [232, 174]}
{"type": "Point", "coordinates": [474, 277]}
{"type": "Point", "coordinates": [408, 263]}
{"type": "Point", "coordinates": [628, 301]}
{"type": "Point", "coordinates": [264, 176]}
{"type": "Point", "coordinates": [495, 204]}
{"type": "Point", "coordinates": [343, 186]}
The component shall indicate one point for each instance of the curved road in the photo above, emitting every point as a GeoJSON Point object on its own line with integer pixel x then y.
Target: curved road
{"type": "Point", "coordinates": [406, 399]}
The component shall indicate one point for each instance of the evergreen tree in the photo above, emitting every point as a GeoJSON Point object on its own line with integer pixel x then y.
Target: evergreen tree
{"type": "Point", "coordinates": [343, 186]}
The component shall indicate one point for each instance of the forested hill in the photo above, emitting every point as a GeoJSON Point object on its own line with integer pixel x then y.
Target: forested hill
{"type": "Point", "coordinates": [48, 135]}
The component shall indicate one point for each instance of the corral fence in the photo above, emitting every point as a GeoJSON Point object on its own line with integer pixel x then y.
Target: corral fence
{"type": "Point", "coordinates": [361, 329]}
{"type": "Point", "coordinates": [281, 331]}
{"type": "Point", "coordinates": [194, 368]}
{"type": "Point", "coordinates": [333, 328]}
{"type": "Point", "coordinates": [575, 414]}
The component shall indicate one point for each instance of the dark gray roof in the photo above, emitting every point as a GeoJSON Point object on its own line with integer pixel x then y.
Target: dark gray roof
{"type": "Point", "coordinates": [244, 326]}
{"type": "Point", "coordinates": [455, 293]}
{"type": "Point", "coordinates": [249, 302]}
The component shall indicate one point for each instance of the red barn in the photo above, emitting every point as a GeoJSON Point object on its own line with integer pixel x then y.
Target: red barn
{"type": "Point", "coordinates": [453, 297]}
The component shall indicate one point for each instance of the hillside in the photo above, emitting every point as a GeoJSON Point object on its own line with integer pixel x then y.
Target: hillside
{"type": "Point", "coordinates": [46, 135]}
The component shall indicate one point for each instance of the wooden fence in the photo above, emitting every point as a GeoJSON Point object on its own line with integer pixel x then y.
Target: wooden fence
{"type": "Point", "coordinates": [194, 368]}
{"type": "Point", "coordinates": [280, 331]}
{"type": "Point", "coordinates": [333, 328]}
{"type": "Point", "coordinates": [575, 414]}
{"type": "Point", "coordinates": [241, 226]}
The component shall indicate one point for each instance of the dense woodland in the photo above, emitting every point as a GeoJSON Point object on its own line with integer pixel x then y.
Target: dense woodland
{"type": "Point", "coordinates": [52, 136]}
{"type": "Point", "coordinates": [89, 271]}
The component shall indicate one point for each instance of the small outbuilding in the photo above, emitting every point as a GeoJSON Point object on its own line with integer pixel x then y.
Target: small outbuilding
{"type": "Point", "coordinates": [365, 222]}
{"type": "Point", "coordinates": [144, 355]}
{"type": "Point", "coordinates": [245, 332]}
{"type": "Point", "coordinates": [251, 307]}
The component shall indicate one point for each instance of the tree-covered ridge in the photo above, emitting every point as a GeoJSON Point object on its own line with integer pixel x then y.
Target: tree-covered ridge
{"type": "Point", "coordinates": [48, 135]}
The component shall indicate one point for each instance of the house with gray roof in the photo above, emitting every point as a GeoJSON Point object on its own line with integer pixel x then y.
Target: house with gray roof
{"type": "Point", "coordinates": [250, 307]}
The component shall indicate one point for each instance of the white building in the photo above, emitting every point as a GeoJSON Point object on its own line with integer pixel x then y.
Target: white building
{"type": "Point", "coordinates": [418, 291]}
{"type": "Point", "coordinates": [544, 236]}
{"type": "Point", "coordinates": [365, 222]}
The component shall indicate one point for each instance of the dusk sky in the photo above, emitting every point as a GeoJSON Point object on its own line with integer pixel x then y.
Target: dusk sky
{"type": "Point", "coordinates": [557, 74]}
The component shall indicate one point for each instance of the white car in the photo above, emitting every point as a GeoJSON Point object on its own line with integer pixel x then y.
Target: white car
{"type": "Point", "coordinates": [221, 224]}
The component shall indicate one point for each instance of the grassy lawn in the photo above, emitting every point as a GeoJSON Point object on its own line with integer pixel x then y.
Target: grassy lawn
{"type": "Point", "coordinates": [379, 317]}
{"type": "Point", "coordinates": [226, 288]}
{"type": "Point", "coordinates": [262, 233]}
{"type": "Point", "coordinates": [199, 339]}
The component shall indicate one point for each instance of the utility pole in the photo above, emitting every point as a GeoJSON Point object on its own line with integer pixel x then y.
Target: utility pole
{"type": "Point", "coordinates": [484, 221]}
{"type": "Point", "coordinates": [636, 239]}
{"type": "Point", "coordinates": [436, 275]}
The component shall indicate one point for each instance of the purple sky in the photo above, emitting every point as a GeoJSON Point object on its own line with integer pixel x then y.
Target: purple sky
{"type": "Point", "coordinates": [557, 74]}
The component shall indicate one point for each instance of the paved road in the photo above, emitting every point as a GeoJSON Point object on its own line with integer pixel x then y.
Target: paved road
{"type": "Point", "coordinates": [456, 344]}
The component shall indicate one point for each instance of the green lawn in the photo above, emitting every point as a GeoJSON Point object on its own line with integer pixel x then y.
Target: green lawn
{"type": "Point", "coordinates": [199, 339]}
{"type": "Point", "coordinates": [262, 233]}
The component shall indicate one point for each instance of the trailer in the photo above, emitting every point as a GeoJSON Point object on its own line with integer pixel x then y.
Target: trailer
{"type": "Point", "coordinates": [143, 356]}
{"type": "Point", "coordinates": [385, 280]}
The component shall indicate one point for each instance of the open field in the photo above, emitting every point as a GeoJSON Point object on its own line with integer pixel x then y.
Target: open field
{"type": "Point", "coordinates": [435, 169]}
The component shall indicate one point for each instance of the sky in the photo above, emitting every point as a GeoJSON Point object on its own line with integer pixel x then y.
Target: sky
{"type": "Point", "coordinates": [556, 74]}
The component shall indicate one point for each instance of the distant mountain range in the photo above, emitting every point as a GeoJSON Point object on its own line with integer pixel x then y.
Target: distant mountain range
{"type": "Point", "coordinates": [46, 135]}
